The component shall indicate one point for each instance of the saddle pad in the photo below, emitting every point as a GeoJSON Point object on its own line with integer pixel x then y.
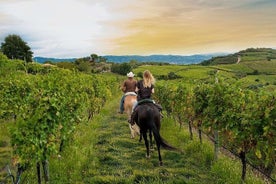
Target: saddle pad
{"type": "Point", "coordinates": [148, 100]}
{"type": "Point", "coordinates": [130, 93]}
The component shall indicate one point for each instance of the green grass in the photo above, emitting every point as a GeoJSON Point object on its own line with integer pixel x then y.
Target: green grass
{"type": "Point", "coordinates": [265, 78]}
{"type": "Point", "coordinates": [185, 71]}
{"type": "Point", "coordinates": [263, 67]}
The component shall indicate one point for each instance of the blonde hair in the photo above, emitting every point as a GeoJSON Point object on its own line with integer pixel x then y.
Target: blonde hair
{"type": "Point", "coordinates": [148, 79]}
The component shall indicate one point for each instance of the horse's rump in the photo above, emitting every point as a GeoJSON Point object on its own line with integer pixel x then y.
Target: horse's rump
{"type": "Point", "coordinates": [130, 100]}
{"type": "Point", "coordinates": [146, 113]}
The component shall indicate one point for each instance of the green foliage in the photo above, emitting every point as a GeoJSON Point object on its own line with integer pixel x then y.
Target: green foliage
{"type": "Point", "coordinates": [121, 69]}
{"type": "Point", "coordinates": [95, 58]}
{"type": "Point", "coordinates": [230, 59]}
{"type": "Point", "coordinates": [3, 58]}
{"type": "Point", "coordinates": [239, 115]}
{"type": "Point", "coordinates": [84, 66]}
{"type": "Point", "coordinates": [15, 48]}
{"type": "Point", "coordinates": [66, 65]}
{"type": "Point", "coordinates": [7, 67]}
{"type": "Point", "coordinates": [92, 64]}
{"type": "Point", "coordinates": [169, 76]}
{"type": "Point", "coordinates": [47, 107]}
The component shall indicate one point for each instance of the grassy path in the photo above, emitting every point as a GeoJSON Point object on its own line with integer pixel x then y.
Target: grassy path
{"type": "Point", "coordinates": [103, 152]}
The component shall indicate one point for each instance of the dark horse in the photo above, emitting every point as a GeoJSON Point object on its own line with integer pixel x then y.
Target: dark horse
{"type": "Point", "coordinates": [147, 117]}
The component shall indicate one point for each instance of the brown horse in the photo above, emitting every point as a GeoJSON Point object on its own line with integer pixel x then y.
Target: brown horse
{"type": "Point", "coordinates": [147, 117]}
{"type": "Point", "coordinates": [130, 100]}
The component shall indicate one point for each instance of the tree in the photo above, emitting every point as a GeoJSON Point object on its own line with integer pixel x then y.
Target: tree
{"type": "Point", "coordinates": [15, 48]}
{"type": "Point", "coordinates": [121, 69]}
{"type": "Point", "coordinates": [93, 58]}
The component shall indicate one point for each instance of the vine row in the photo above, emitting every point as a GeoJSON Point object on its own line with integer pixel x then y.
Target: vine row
{"type": "Point", "coordinates": [43, 109]}
{"type": "Point", "coordinates": [240, 119]}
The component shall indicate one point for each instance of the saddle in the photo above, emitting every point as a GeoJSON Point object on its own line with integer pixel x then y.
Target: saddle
{"type": "Point", "coordinates": [148, 100]}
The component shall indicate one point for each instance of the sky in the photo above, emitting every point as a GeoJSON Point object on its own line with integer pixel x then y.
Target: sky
{"type": "Point", "coordinates": [79, 28]}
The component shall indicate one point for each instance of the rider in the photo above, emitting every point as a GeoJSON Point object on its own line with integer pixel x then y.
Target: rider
{"type": "Point", "coordinates": [144, 89]}
{"type": "Point", "coordinates": [129, 85]}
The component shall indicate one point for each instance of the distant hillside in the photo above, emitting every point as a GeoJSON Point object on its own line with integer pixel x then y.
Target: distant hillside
{"type": "Point", "coordinates": [172, 59]}
{"type": "Point", "coordinates": [250, 54]}
{"type": "Point", "coordinates": [55, 60]}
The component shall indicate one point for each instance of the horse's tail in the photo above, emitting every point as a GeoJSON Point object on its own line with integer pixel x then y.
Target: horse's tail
{"type": "Point", "coordinates": [158, 137]}
{"type": "Point", "coordinates": [162, 142]}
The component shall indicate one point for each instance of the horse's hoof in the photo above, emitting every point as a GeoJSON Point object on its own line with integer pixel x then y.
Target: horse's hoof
{"type": "Point", "coordinates": [147, 156]}
{"type": "Point", "coordinates": [161, 163]}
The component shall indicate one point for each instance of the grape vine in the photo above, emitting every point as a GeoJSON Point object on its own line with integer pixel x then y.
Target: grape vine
{"type": "Point", "coordinates": [243, 119]}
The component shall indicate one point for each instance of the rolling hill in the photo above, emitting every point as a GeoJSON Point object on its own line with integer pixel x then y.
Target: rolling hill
{"type": "Point", "coordinates": [250, 54]}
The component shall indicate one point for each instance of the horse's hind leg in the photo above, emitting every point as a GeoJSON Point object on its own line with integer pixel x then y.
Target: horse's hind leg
{"type": "Point", "coordinates": [141, 136]}
{"type": "Point", "coordinates": [150, 137]}
{"type": "Point", "coordinates": [158, 149]}
{"type": "Point", "coordinates": [146, 143]}
{"type": "Point", "coordinates": [159, 154]}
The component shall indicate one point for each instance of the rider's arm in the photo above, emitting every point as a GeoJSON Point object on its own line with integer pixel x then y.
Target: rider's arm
{"type": "Point", "coordinates": [123, 87]}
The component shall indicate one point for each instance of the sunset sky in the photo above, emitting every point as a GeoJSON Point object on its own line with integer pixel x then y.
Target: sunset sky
{"type": "Point", "coordinates": [78, 28]}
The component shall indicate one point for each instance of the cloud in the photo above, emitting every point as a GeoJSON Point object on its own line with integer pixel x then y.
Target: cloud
{"type": "Point", "coordinates": [77, 28]}
{"type": "Point", "coordinates": [53, 25]}
{"type": "Point", "coordinates": [201, 26]}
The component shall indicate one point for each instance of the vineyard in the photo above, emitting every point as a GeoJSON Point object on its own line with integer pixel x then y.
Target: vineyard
{"type": "Point", "coordinates": [237, 113]}
{"type": "Point", "coordinates": [239, 120]}
{"type": "Point", "coordinates": [43, 106]}
{"type": "Point", "coordinates": [56, 125]}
